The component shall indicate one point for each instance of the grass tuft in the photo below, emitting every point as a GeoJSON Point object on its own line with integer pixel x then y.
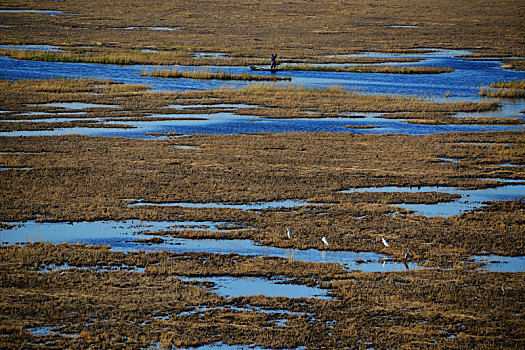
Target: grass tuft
{"type": "Point", "coordinates": [208, 74]}
{"type": "Point", "coordinates": [504, 89]}
{"type": "Point", "coordinates": [371, 69]}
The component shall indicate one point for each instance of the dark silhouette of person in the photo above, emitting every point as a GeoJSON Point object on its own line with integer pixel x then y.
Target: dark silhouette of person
{"type": "Point", "coordinates": [274, 61]}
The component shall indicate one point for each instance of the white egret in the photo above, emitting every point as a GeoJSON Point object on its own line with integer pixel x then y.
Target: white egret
{"type": "Point", "coordinates": [289, 233]}
{"type": "Point", "coordinates": [385, 242]}
{"type": "Point", "coordinates": [324, 240]}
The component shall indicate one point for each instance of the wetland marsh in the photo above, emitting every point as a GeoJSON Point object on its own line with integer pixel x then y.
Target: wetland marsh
{"type": "Point", "coordinates": [336, 208]}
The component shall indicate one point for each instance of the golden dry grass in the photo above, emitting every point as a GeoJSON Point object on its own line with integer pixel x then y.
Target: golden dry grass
{"type": "Point", "coordinates": [124, 57]}
{"type": "Point", "coordinates": [371, 69]}
{"type": "Point", "coordinates": [504, 89]}
{"type": "Point", "coordinates": [79, 178]}
{"type": "Point", "coordinates": [208, 75]}
{"type": "Point", "coordinates": [518, 84]}
{"type": "Point", "coordinates": [294, 29]}
{"type": "Point", "coordinates": [517, 64]}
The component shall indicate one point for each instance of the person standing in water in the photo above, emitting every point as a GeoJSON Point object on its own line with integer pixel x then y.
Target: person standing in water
{"type": "Point", "coordinates": [274, 61]}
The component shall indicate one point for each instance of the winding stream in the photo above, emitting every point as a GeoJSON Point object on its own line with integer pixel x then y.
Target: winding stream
{"type": "Point", "coordinates": [460, 85]}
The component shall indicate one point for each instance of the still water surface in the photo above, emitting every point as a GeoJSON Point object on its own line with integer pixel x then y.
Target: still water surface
{"type": "Point", "coordinates": [469, 200]}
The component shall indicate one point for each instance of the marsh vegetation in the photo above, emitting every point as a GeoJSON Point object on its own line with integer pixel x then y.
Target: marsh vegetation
{"type": "Point", "coordinates": [370, 69]}
{"type": "Point", "coordinates": [504, 89]}
{"type": "Point", "coordinates": [43, 105]}
{"type": "Point", "coordinates": [347, 193]}
{"type": "Point", "coordinates": [208, 74]}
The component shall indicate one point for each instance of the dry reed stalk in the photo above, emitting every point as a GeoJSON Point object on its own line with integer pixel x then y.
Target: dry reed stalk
{"type": "Point", "coordinates": [208, 74]}
{"type": "Point", "coordinates": [371, 69]}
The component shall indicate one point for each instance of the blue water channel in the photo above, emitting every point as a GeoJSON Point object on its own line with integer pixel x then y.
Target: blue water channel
{"type": "Point", "coordinates": [463, 83]}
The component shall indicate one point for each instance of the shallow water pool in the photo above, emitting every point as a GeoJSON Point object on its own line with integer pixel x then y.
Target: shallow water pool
{"type": "Point", "coordinates": [470, 199]}
{"type": "Point", "coordinates": [498, 263]}
{"type": "Point", "coordinates": [31, 47]}
{"type": "Point", "coordinates": [245, 286]}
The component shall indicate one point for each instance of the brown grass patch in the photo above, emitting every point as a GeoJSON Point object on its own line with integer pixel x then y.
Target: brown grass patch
{"type": "Point", "coordinates": [371, 69]}
{"type": "Point", "coordinates": [208, 75]}
{"type": "Point", "coordinates": [505, 89]}
{"type": "Point", "coordinates": [293, 29]}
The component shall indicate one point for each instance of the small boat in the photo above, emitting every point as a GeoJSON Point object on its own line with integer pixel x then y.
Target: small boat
{"type": "Point", "coordinates": [265, 69]}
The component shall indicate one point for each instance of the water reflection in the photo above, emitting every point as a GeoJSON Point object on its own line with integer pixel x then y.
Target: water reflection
{"type": "Point", "coordinates": [4, 169]}
{"type": "Point", "coordinates": [430, 52]}
{"type": "Point", "coordinates": [228, 123]}
{"type": "Point", "coordinates": [123, 236]}
{"type": "Point", "coordinates": [500, 263]}
{"type": "Point", "coordinates": [97, 232]}
{"type": "Point", "coordinates": [170, 29]}
{"type": "Point", "coordinates": [462, 84]}
{"type": "Point", "coordinates": [245, 286]}
{"type": "Point", "coordinates": [221, 346]}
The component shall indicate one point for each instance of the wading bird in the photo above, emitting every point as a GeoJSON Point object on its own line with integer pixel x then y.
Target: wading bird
{"type": "Point", "coordinates": [289, 233]}
{"type": "Point", "coordinates": [385, 242]}
{"type": "Point", "coordinates": [407, 254]}
{"type": "Point", "coordinates": [324, 240]}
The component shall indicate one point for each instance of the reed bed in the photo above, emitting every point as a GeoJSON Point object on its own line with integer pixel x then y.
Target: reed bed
{"type": "Point", "coordinates": [505, 89]}
{"type": "Point", "coordinates": [124, 57]}
{"type": "Point", "coordinates": [172, 57]}
{"type": "Point", "coordinates": [64, 174]}
{"type": "Point", "coordinates": [335, 99]}
{"type": "Point", "coordinates": [431, 118]}
{"type": "Point", "coordinates": [80, 178]}
{"type": "Point", "coordinates": [517, 64]}
{"type": "Point", "coordinates": [370, 69]}
{"type": "Point", "coordinates": [518, 84]}
{"type": "Point", "coordinates": [208, 74]}
{"type": "Point", "coordinates": [273, 101]}
{"type": "Point", "coordinates": [67, 86]}
{"type": "Point", "coordinates": [100, 299]}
